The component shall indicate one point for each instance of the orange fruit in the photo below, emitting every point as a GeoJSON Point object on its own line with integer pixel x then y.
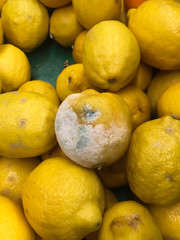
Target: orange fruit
{"type": "Point", "coordinates": [133, 3]}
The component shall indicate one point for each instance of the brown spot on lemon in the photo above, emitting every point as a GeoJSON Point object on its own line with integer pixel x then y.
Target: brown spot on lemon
{"type": "Point", "coordinates": [132, 221]}
{"type": "Point", "coordinates": [22, 123]}
{"type": "Point", "coordinates": [5, 192]}
{"type": "Point", "coordinates": [22, 100]}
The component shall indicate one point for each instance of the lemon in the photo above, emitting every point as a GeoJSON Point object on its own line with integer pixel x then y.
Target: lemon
{"type": "Point", "coordinates": [114, 175]}
{"type": "Point", "coordinates": [15, 68]}
{"type": "Point", "coordinates": [77, 47]}
{"type": "Point", "coordinates": [128, 220]}
{"type": "Point", "coordinates": [13, 224]}
{"type": "Point", "coordinates": [27, 124]}
{"type": "Point", "coordinates": [93, 129]}
{"type": "Point", "coordinates": [54, 152]}
{"type": "Point", "coordinates": [138, 103]}
{"type": "Point", "coordinates": [153, 166]}
{"type": "Point", "coordinates": [159, 84]}
{"type": "Point", "coordinates": [55, 3]}
{"type": "Point", "coordinates": [155, 24]}
{"type": "Point", "coordinates": [2, 2]}
{"type": "Point", "coordinates": [143, 76]}
{"type": "Point", "coordinates": [41, 87]}
{"type": "Point", "coordinates": [72, 79]}
{"type": "Point", "coordinates": [110, 55]}
{"type": "Point", "coordinates": [63, 200]}
{"type": "Point", "coordinates": [168, 220]}
{"type": "Point", "coordinates": [168, 102]}
{"type": "Point", "coordinates": [13, 174]}
{"type": "Point", "coordinates": [1, 33]}
{"type": "Point", "coordinates": [25, 23]}
{"type": "Point", "coordinates": [89, 14]}
{"type": "Point", "coordinates": [64, 26]}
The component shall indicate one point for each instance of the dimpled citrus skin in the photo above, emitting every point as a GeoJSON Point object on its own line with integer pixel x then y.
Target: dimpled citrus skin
{"type": "Point", "coordinates": [169, 101]}
{"type": "Point", "coordinates": [27, 124]}
{"type": "Point", "coordinates": [153, 161]}
{"type": "Point", "coordinates": [25, 23]}
{"type": "Point", "coordinates": [13, 174]}
{"type": "Point", "coordinates": [77, 47]}
{"type": "Point", "coordinates": [63, 200]}
{"type": "Point", "coordinates": [15, 68]}
{"type": "Point", "coordinates": [13, 224]}
{"type": "Point", "coordinates": [93, 129]}
{"type": "Point", "coordinates": [90, 14]}
{"type": "Point", "coordinates": [128, 220]}
{"type": "Point", "coordinates": [167, 219]}
{"type": "Point", "coordinates": [110, 55]}
{"type": "Point", "coordinates": [155, 24]}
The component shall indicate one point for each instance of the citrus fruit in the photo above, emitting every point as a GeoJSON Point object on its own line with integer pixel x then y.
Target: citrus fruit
{"type": "Point", "coordinates": [114, 175]}
{"type": "Point", "coordinates": [168, 102]}
{"type": "Point", "coordinates": [27, 124]}
{"type": "Point", "coordinates": [133, 3]}
{"type": "Point", "coordinates": [64, 26]}
{"type": "Point", "coordinates": [155, 24]}
{"type": "Point", "coordinates": [168, 219]}
{"type": "Point", "coordinates": [128, 220]}
{"type": "Point", "coordinates": [153, 161]}
{"type": "Point", "coordinates": [2, 2]}
{"type": "Point", "coordinates": [93, 129]}
{"type": "Point", "coordinates": [77, 47]}
{"type": "Point", "coordinates": [72, 79]}
{"type": "Point", "coordinates": [138, 103]}
{"type": "Point", "coordinates": [55, 3]}
{"type": "Point", "coordinates": [13, 174]}
{"type": "Point", "coordinates": [143, 76]}
{"type": "Point", "coordinates": [41, 87]}
{"type": "Point", "coordinates": [14, 67]}
{"type": "Point", "coordinates": [160, 83]}
{"type": "Point", "coordinates": [1, 33]}
{"type": "Point", "coordinates": [25, 23]}
{"type": "Point", "coordinates": [89, 14]}
{"type": "Point", "coordinates": [110, 55]}
{"type": "Point", "coordinates": [13, 224]}
{"type": "Point", "coordinates": [54, 152]}
{"type": "Point", "coordinates": [63, 200]}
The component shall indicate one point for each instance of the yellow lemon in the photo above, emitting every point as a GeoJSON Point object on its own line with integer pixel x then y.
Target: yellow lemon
{"type": "Point", "coordinates": [153, 161]}
{"type": "Point", "coordinates": [72, 79]}
{"type": "Point", "coordinates": [110, 199]}
{"type": "Point", "coordinates": [159, 84]}
{"type": "Point", "coordinates": [55, 152]}
{"type": "Point", "coordinates": [168, 220]}
{"type": "Point", "coordinates": [25, 23]}
{"type": "Point", "coordinates": [93, 129]}
{"type": "Point", "coordinates": [55, 3]}
{"type": "Point", "coordinates": [27, 124]}
{"type": "Point", "coordinates": [64, 26]}
{"type": "Point", "coordinates": [77, 47]}
{"type": "Point", "coordinates": [13, 174]}
{"type": "Point", "coordinates": [92, 13]}
{"type": "Point", "coordinates": [2, 2]}
{"type": "Point", "coordinates": [41, 87]}
{"type": "Point", "coordinates": [114, 175]}
{"type": "Point", "coordinates": [13, 224]}
{"type": "Point", "coordinates": [1, 33]}
{"type": "Point", "coordinates": [169, 101]}
{"type": "Point", "coordinates": [15, 68]}
{"type": "Point", "coordinates": [138, 103]}
{"type": "Point", "coordinates": [143, 76]}
{"type": "Point", "coordinates": [63, 200]}
{"type": "Point", "coordinates": [128, 220]}
{"type": "Point", "coordinates": [155, 24]}
{"type": "Point", "coordinates": [110, 55]}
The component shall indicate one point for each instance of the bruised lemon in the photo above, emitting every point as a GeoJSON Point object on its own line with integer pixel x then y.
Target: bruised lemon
{"type": "Point", "coordinates": [14, 224]}
{"type": "Point", "coordinates": [93, 129]}
{"type": "Point", "coordinates": [27, 124]}
{"type": "Point", "coordinates": [63, 200]}
{"type": "Point", "coordinates": [110, 55]}
{"type": "Point", "coordinates": [25, 23]}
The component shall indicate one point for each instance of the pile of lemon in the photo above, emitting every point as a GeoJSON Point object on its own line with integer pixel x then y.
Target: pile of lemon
{"type": "Point", "coordinates": [112, 120]}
